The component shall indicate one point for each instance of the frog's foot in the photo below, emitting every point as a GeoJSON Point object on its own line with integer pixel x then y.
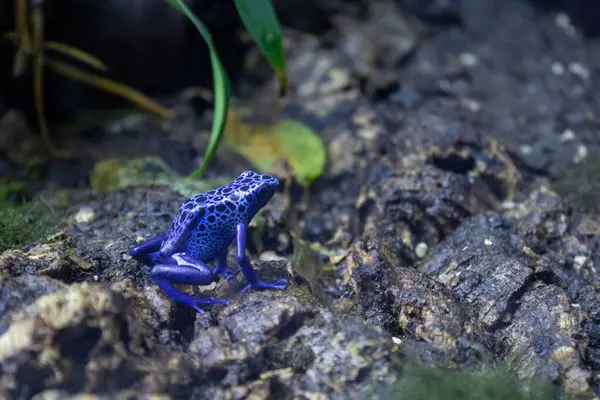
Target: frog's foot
{"type": "Point", "coordinates": [223, 269]}
{"type": "Point", "coordinates": [229, 273]}
{"type": "Point", "coordinates": [280, 284]}
{"type": "Point", "coordinates": [146, 252]}
{"type": "Point", "coordinates": [196, 303]}
{"type": "Point", "coordinates": [246, 265]}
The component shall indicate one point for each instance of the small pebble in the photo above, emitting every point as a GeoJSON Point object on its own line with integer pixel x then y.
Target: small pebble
{"type": "Point", "coordinates": [508, 205]}
{"type": "Point", "coordinates": [472, 105]}
{"type": "Point", "coordinates": [579, 261]}
{"type": "Point", "coordinates": [526, 149]}
{"type": "Point", "coordinates": [580, 154]}
{"type": "Point", "coordinates": [567, 136]}
{"type": "Point", "coordinates": [85, 215]}
{"type": "Point", "coordinates": [579, 70]}
{"type": "Point", "coordinates": [557, 68]}
{"type": "Point", "coordinates": [421, 249]}
{"type": "Point", "coordinates": [563, 21]}
{"type": "Point", "coordinates": [270, 256]}
{"type": "Point", "coordinates": [469, 60]}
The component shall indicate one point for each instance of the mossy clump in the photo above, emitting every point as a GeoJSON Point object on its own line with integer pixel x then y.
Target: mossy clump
{"type": "Point", "coordinates": [23, 224]}
{"type": "Point", "coordinates": [581, 183]}
{"type": "Point", "coordinates": [426, 383]}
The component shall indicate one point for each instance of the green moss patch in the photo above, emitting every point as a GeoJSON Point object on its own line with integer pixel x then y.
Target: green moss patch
{"type": "Point", "coordinates": [425, 383]}
{"type": "Point", "coordinates": [25, 224]}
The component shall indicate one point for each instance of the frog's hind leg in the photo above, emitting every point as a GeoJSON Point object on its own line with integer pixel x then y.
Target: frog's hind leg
{"type": "Point", "coordinates": [187, 272]}
{"type": "Point", "coordinates": [146, 252]}
{"type": "Point", "coordinates": [246, 265]}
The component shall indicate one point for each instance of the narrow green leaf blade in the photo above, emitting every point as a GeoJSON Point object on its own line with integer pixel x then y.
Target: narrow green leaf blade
{"type": "Point", "coordinates": [222, 87]}
{"type": "Point", "coordinates": [261, 22]}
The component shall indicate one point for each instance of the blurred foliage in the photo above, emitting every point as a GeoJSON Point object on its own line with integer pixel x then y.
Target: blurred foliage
{"type": "Point", "coordinates": [257, 16]}
{"type": "Point", "coordinates": [261, 22]}
{"type": "Point", "coordinates": [222, 89]}
{"type": "Point", "coordinates": [31, 53]}
{"type": "Point", "coordinates": [306, 262]}
{"type": "Point", "coordinates": [259, 19]}
{"type": "Point", "coordinates": [121, 173]}
{"type": "Point", "coordinates": [263, 145]}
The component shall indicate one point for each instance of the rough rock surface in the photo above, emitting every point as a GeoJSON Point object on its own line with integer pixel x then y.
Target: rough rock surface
{"type": "Point", "coordinates": [447, 239]}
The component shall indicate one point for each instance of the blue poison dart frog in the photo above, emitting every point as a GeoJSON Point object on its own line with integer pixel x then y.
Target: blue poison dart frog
{"type": "Point", "coordinates": [202, 232]}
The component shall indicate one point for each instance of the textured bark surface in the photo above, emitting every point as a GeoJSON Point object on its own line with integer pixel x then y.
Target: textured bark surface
{"type": "Point", "coordinates": [458, 213]}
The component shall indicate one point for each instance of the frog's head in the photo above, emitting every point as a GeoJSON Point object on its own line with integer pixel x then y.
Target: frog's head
{"type": "Point", "coordinates": [257, 187]}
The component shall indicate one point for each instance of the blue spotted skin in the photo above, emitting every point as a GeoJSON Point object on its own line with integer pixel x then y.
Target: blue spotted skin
{"type": "Point", "coordinates": [205, 224]}
{"type": "Point", "coordinates": [202, 231]}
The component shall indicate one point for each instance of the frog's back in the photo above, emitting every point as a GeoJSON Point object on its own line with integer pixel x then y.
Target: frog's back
{"type": "Point", "coordinates": [206, 223]}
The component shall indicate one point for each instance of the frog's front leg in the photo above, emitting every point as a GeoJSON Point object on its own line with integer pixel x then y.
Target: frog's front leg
{"type": "Point", "coordinates": [246, 266]}
{"type": "Point", "coordinates": [147, 252]}
{"type": "Point", "coordinates": [186, 271]}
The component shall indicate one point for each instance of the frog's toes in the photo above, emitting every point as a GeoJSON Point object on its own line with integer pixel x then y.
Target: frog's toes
{"type": "Point", "coordinates": [229, 273]}
{"type": "Point", "coordinates": [280, 284]}
{"type": "Point", "coordinates": [196, 303]}
{"type": "Point", "coordinates": [211, 300]}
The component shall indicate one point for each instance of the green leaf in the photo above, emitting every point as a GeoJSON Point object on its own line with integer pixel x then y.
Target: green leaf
{"type": "Point", "coordinates": [121, 173]}
{"type": "Point", "coordinates": [288, 139]}
{"type": "Point", "coordinates": [307, 263]}
{"type": "Point", "coordinates": [221, 84]}
{"type": "Point", "coordinates": [261, 22]}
